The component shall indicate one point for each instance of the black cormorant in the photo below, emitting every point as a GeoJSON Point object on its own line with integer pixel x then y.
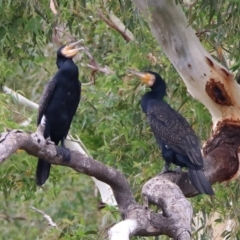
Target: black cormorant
{"type": "Point", "coordinates": [59, 103]}
{"type": "Point", "coordinates": [175, 137]}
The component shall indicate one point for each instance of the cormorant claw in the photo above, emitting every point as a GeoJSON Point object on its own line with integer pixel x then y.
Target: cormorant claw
{"type": "Point", "coordinates": [49, 142]}
{"type": "Point", "coordinates": [178, 170]}
{"type": "Point", "coordinates": [65, 153]}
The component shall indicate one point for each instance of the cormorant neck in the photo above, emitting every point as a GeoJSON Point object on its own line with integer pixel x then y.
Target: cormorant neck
{"type": "Point", "coordinates": [61, 60]}
{"type": "Point", "coordinates": [158, 91]}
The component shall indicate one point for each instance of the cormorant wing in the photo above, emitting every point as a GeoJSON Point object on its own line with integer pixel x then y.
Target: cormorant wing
{"type": "Point", "coordinates": [46, 96]}
{"type": "Point", "coordinates": [171, 128]}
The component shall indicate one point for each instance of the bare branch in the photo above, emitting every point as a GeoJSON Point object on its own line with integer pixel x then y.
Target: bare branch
{"type": "Point", "coordinates": [20, 99]}
{"type": "Point", "coordinates": [105, 191]}
{"type": "Point", "coordinates": [104, 69]}
{"type": "Point", "coordinates": [147, 222]}
{"type": "Point", "coordinates": [115, 23]}
{"type": "Point", "coordinates": [52, 7]}
{"type": "Point", "coordinates": [47, 217]}
{"type": "Point", "coordinates": [122, 230]}
{"type": "Point", "coordinates": [190, 3]}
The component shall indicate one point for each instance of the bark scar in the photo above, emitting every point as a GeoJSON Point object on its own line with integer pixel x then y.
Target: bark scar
{"type": "Point", "coordinates": [217, 92]}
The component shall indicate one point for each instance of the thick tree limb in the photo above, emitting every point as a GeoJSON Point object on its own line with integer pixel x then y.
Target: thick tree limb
{"type": "Point", "coordinates": [174, 220]}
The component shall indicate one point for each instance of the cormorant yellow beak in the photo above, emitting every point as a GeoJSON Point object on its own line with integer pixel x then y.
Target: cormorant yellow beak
{"type": "Point", "coordinates": [69, 51]}
{"type": "Point", "coordinates": [145, 77]}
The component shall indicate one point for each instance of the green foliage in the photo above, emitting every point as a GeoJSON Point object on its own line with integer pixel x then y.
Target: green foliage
{"type": "Point", "coordinates": [109, 120]}
{"type": "Point", "coordinates": [217, 25]}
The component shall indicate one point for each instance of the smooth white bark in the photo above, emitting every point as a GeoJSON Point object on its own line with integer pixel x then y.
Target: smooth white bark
{"type": "Point", "coordinates": [123, 230]}
{"type": "Point", "coordinates": [20, 98]}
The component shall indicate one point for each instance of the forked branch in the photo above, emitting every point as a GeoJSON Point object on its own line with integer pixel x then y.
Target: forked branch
{"type": "Point", "coordinates": [138, 220]}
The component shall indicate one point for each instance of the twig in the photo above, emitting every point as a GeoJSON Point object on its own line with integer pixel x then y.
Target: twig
{"type": "Point", "coordinates": [47, 217]}
{"type": "Point", "coordinates": [104, 69]}
{"type": "Point", "coordinates": [117, 24]}
{"type": "Point", "coordinates": [66, 33]}
{"type": "Point", "coordinates": [52, 7]}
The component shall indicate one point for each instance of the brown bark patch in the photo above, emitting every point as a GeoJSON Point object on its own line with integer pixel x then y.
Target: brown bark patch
{"type": "Point", "coordinates": [209, 62]}
{"type": "Point", "coordinates": [226, 73]}
{"type": "Point", "coordinates": [217, 92]}
{"type": "Point", "coordinates": [220, 153]}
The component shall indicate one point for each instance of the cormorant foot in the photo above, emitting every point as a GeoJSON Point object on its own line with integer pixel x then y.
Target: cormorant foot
{"type": "Point", "coordinates": [164, 171]}
{"type": "Point", "coordinates": [65, 153]}
{"type": "Point", "coordinates": [178, 170]}
{"type": "Point", "coordinates": [49, 142]}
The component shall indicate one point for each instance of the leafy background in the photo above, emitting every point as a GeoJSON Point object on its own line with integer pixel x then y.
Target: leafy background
{"type": "Point", "coordinates": [109, 120]}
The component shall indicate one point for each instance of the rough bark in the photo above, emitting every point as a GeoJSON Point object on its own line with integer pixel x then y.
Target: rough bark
{"type": "Point", "coordinates": [176, 215]}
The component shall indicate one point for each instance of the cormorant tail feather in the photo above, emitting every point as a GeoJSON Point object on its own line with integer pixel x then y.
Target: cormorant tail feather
{"type": "Point", "coordinates": [43, 171]}
{"type": "Point", "coordinates": [200, 182]}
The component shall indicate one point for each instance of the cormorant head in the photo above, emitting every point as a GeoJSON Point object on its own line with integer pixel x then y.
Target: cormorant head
{"type": "Point", "coordinates": [68, 50]}
{"type": "Point", "coordinates": [151, 79]}
{"type": "Point", "coordinates": [154, 81]}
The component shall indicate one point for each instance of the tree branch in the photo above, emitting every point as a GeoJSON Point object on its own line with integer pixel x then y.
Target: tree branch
{"type": "Point", "coordinates": [105, 191]}
{"type": "Point", "coordinates": [47, 217]}
{"type": "Point", "coordinates": [143, 221]}
{"type": "Point", "coordinates": [20, 99]}
{"type": "Point", "coordinates": [115, 23]}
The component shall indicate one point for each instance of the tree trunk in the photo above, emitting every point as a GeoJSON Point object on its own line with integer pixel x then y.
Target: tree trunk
{"type": "Point", "coordinates": [206, 80]}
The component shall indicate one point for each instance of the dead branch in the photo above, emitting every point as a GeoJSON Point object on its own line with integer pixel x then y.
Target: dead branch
{"type": "Point", "coordinates": [47, 217]}
{"type": "Point", "coordinates": [119, 28]}
{"type": "Point", "coordinates": [144, 222]}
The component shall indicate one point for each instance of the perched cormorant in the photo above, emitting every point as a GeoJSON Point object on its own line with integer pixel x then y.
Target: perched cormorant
{"type": "Point", "coordinates": [59, 103]}
{"type": "Point", "coordinates": [175, 137]}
